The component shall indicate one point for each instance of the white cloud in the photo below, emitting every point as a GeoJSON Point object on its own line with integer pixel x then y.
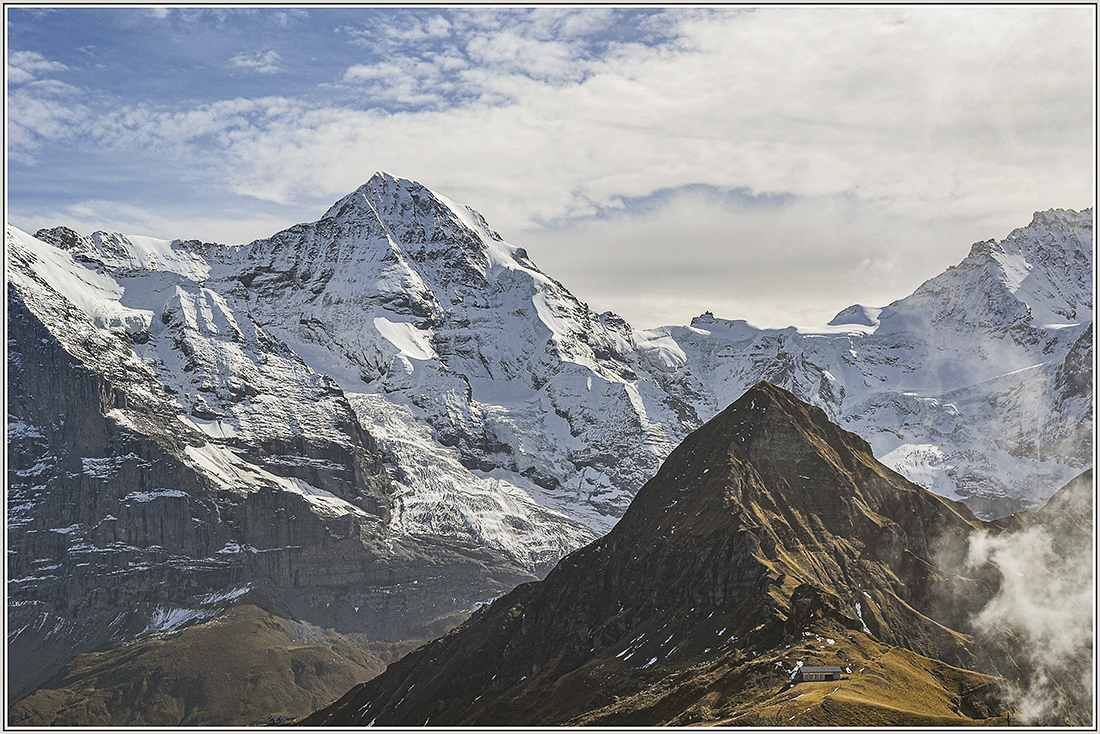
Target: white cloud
{"type": "Point", "coordinates": [266, 62]}
{"type": "Point", "coordinates": [406, 81]}
{"type": "Point", "coordinates": [289, 17]}
{"type": "Point", "coordinates": [26, 66]}
{"type": "Point", "coordinates": [490, 65]}
{"type": "Point", "coordinates": [219, 15]}
{"type": "Point", "coordinates": [40, 112]}
{"type": "Point", "coordinates": [920, 117]}
{"type": "Point", "coordinates": [1046, 600]}
{"type": "Point", "coordinates": [509, 52]}
{"type": "Point", "coordinates": [539, 23]}
{"type": "Point", "coordinates": [207, 130]}
{"type": "Point", "coordinates": [397, 31]}
{"type": "Point", "coordinates": [434, 28]}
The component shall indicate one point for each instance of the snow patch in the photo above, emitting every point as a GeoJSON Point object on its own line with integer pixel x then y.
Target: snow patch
{"type": "Point", "coordinates": [859, 613]}
{"type": "Point", "coordinates": [17, 430]}
{"type": "Point", "coordinates": [235, 473]}
{"type": "Point", "coordinates": [409, 340]}
{"type": "Point", "coordinates": [96, 294]}
{"type": "Point", "coordinates": [153, 495]}
{"type": "Point", "coordinates": [167, 619]}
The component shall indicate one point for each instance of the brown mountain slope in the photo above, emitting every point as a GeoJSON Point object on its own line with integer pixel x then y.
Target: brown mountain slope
{"type": "Point", "coordinates": [765, 528]}
{"type": "Point", "coordinates": [245, 667]}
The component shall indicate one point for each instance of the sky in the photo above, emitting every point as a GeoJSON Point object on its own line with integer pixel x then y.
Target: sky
{"type": "Point", "coordinates": [774, 164]}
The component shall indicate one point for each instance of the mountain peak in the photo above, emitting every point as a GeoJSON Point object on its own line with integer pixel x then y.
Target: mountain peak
{"type": "Point", "coordinates": [767, 438]}
{"type": "Point", "coordinates": [719, 560]}
{"type": "Point", "coordinates": [1060, 217]}
{"type": "Point", "coordinates": [409, 211]}
{"type": "Point", "coordinates": [1035, 282]}
{"type": "Point", "coordinates": [381, 175]}
{"type": "Point", "coordinates": [424, 225]}
{"type": "Point", "coordinates": [362, 200]}
{"type": "Point", "coordinates": [764, 396]}
{"type": "Point", "coordinates": [765, 409]}
{"type": "Point", "coordinates": [857, 314]}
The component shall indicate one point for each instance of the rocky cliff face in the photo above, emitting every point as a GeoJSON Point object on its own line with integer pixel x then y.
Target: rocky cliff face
{"type": "Point", "coordinates": [765, 528]}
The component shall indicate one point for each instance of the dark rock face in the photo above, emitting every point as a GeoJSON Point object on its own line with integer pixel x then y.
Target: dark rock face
{"type": "Point", "coordinates": [69, 530]}
{"type": "Point", "coordinates": [765, 521]}
{"type": "Point", "coordinates": [1075, 376]}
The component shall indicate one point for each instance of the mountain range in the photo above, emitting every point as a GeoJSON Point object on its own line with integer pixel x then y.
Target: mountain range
{"type": "Point", "coordinates": [380, 421]}
{"type": "Point", "coordinates": [770, 540]}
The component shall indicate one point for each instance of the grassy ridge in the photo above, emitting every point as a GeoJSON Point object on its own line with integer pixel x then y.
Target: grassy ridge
{"type": "Point", "coordinates": [887, 686]}
{"type": "Point", "coordinates": [246, 667]}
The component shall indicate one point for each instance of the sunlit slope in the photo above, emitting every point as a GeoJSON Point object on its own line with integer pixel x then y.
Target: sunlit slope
{"type": "Point", "coordinates": [246, 667]}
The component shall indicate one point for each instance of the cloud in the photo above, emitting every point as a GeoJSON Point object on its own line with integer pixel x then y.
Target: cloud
{"type": "Point", "coordinates": [1046, 600]}
{"type": "Point", "coordinates": [26, 66]}
{"type": "Point", "coordinates": [434, 27]}
{"type": "Point", "coordinates": [41, 112]}
{"type": "Point", "coordinates": [409, 82]}
{"type": "Point", "coordinates": [904, 108]}
{"type": "Point", "coordinates": [774, 261]}
{"type": "Point", "coordinates": [397, 31]}
{"type": "Point", "coordinates": [266, 62]}
{"type": "Point", "coordinates": [432, 62]}
{"type": "Point", "coordinates": [291, 16]}
{"type": "Point", "coordinates": [541, 23]}
{"type": "Point", "coordinates": [507, 52]}
{"type": "Point", "coordinates": [729, 108]}
{"type": "Point", "coordinates": [219, 15]}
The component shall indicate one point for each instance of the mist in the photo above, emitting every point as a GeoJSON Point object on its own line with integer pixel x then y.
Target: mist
{"type": "Point", "coordinates": [1045, 602]}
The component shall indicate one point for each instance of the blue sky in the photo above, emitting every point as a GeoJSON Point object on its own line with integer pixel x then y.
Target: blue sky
{"type": "Point", "coordinates": [774, 164]}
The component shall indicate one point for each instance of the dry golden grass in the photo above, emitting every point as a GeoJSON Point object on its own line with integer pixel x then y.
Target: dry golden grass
{"type": "Point", "coordinates": [887, 686]}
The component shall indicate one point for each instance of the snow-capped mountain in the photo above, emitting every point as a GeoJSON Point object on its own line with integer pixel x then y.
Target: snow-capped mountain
{"type": "Point", "coordinates": [391, 415]}
{"type": "Point", "coordinates": [398, 290]}
{"type": "Point", "coordinates": [168, 456]}
{"type": "Point", "coordinates": [977, 386]}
